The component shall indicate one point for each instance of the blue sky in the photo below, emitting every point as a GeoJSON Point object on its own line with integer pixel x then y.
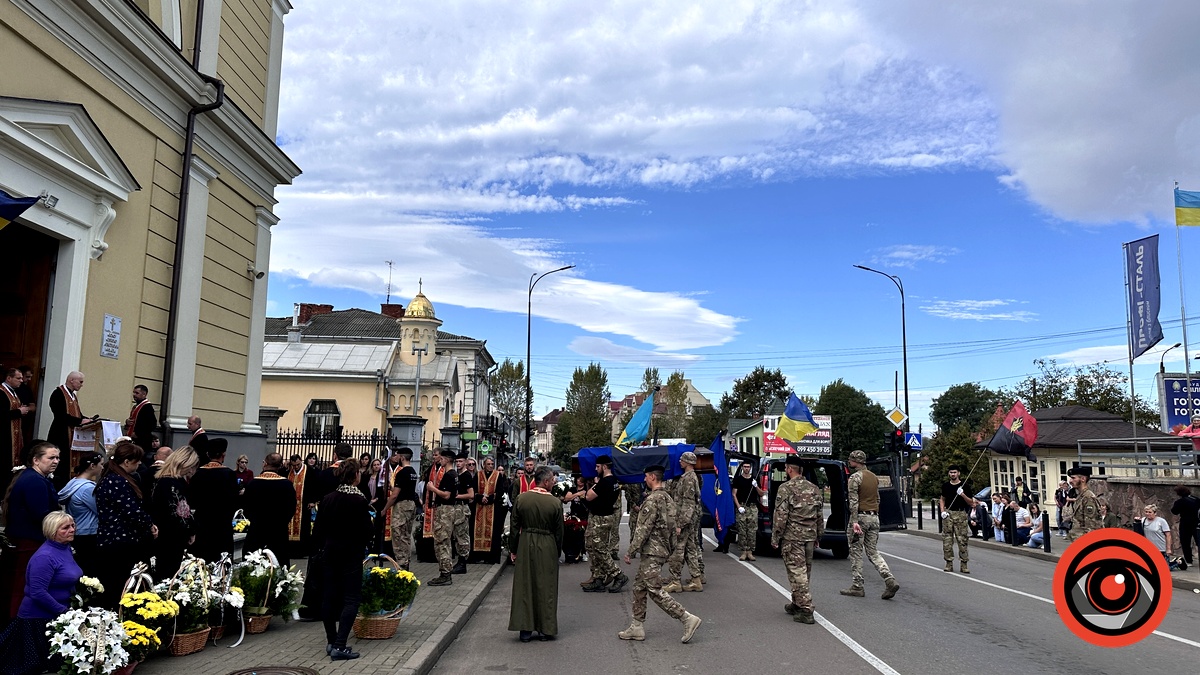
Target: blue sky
{"type": "Point", "coordinates": [714, 171]}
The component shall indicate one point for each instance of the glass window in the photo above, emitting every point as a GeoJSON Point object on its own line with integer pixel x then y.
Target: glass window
{"type": "Point", "coordinates": [322, 418]}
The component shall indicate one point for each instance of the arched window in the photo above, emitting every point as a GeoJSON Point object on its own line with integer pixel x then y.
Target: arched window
{"type": "Point", "coordinates": [322, 419]}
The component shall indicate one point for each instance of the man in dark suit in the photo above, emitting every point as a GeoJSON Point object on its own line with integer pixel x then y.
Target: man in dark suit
{"type": "Point", "coordinates": [29, 397]}
{"type": "Point", "coordinates": [269, 503]}
{"type": "Point", "coordinates": [213, 498]}
{"type": "Point", "coordinates": [142, 422]}
{"type": "Point", "coordinates": [199, 439]}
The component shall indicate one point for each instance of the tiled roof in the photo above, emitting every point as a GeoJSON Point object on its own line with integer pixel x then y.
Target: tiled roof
{"type": "Point", "coordinates": [346, 323]}
{"type": "Point", "coordinates": [325, 357]}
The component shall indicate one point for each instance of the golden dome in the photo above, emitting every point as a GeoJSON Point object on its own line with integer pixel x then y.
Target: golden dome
{"type": "Point", "coordinates": [420, 307]}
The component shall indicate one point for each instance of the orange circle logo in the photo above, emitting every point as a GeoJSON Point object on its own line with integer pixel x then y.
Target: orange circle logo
{"type": "Point", "coordinates": [1112, 587]}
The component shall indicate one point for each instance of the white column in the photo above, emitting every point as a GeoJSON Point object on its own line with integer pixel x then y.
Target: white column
{"type": "Point", "coordinates": [210, 36]}
{"type": "Point", "coordinates": [279, 9]}
{"type": "Point", "coordinates": [258, 322]}
{"type": "Point", "coordinates": [187, 315]}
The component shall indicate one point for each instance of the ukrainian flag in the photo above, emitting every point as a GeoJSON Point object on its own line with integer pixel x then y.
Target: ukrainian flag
{"type": "Point", "coordinates": [797, 421]}
{"type": "Point", "coordinates": [1187, 207]}
{"type": "Point", "coordinates": [638, 428]}
{"type": "Point", "coordinates": [11, 207]}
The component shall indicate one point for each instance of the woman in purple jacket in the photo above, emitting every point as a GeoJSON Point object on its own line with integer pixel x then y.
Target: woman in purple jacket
{"type": "Point", "coordinates": [31, 495]}
{"type": "Point", "coordinates": [50, 580]}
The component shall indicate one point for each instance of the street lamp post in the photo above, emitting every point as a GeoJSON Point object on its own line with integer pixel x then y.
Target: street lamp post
{"type": "Point", "coordinates": [533, 279]}
{"type": "Point", "coordinates": [904, 358]}
{"type": "Point", "coordinates": [1162, 368]}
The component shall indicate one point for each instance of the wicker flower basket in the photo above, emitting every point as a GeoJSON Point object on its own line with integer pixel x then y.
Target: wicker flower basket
{"type": "Point", "coordinates": [375, 627]}
{"type": "Point", "coordinates": [218, 632]}
{"type": "Point", "coordinates": [257, 623]}
{"type": "Point", "coordinates": [189, 643]}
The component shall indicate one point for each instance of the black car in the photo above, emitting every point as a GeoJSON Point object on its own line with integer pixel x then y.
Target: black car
{"type": "Point", "coordinates": [830, 474]}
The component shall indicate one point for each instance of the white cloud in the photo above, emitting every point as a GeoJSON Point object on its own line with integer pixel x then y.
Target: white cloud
{"type": "Point", "coordinates": [1115, 354]}
{"type": "Point", "coordinates": [908, 255]}
{"type": "Point", "coordinates": [607, 350]}
{"type": "Point", "coordinates": [978, 310]}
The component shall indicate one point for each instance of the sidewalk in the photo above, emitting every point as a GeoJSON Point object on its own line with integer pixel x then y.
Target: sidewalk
{"type": "Point", "coordinates": [438, 615]}
{"type": "Point", "coordinates": [1188, 580]}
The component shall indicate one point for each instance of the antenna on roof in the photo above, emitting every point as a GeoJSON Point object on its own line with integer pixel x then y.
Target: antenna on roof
{"type": "Point", "coordinates": [389, 286]}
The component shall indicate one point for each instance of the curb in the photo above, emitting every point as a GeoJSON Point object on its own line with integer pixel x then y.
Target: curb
{"type": "Point", "coordinates": [1176, 582]}
{"type": "Point", "coordinates": [427, 655]}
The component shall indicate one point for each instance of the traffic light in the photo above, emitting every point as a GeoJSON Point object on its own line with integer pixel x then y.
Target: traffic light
{"type": "Point", "coordinates": [898, 441]}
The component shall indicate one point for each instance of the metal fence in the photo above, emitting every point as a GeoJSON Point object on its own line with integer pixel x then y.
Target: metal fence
{"type": "Point", "coordinates": [296, 442]}
{"type": "Point", "coordinates": [1139, 457]}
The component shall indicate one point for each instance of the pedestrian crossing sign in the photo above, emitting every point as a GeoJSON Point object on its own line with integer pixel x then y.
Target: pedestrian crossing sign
{"type": "Point", "coordinates": [913, 441]}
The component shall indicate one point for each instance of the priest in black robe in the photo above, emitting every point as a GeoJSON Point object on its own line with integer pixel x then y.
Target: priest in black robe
{"type": "Point", "coordinates": [268, 503]}
{"type": "Point", "coordinates": [213, 498]}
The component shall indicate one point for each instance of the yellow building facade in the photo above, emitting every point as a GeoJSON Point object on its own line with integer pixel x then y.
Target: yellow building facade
{"type": "Point", "coordinates": [148, 128]}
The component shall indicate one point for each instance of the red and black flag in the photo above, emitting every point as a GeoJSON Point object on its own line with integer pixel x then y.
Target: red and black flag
{"type": "Point", "coordinates": [1016, 434]}
{"type": "Point", "coordinates": [11, 207]}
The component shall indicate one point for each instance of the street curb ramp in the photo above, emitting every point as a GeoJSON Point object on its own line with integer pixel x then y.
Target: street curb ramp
{"type": "Point", "coordinates": [427, 655]}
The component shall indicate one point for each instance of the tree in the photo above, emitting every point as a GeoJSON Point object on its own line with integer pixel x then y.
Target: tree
{"type": "Point", "coordinates": [673, 423]}
{"type": "Point", "coordinates": [584, 422]}
{"type": "Point", "coordinates": [858, 422]}
{"type": "Point", "coordinates": [650, 380]}
{"type": "Point", "coordinates": [968, 403]}
{"type": "Point", "coordinates": [946, 447]}
{"type": "Point", "coordinates": [508, 390]}
{"type": "Point", "coordinates": [754, 393]}
{"type": "Point", "coordinates": [704, 425]}
{"type": "Point", "coordinates": [1093, 386]}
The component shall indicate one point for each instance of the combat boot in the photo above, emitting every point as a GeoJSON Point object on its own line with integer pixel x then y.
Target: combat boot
{"type": "Point", "coordinates": [690, 623]}
{"type": "Point", "coordinates": [892, 587]}
{"type": "Point", "coordinates": [442, 580]}
{"type": "Point", "coordinates": [694, 584]}
{"type": "Point", "coordinates": [791, 608]}
{"type": "Point", "coordinates": [618, 583]}
{"type": "Point", "coordinates": [963, 568]}
{"type": "Point", "coordinates": [723, 548]}
{"type": "Point", "coordinates": [587, 581]}
{"type": "Point", "coordinates": [803, 616]}
{"type": "Point", "coordinates": [743, 556]}
{"type": "Point", "coordinates": [949, 566]}
{"type": "Point", "coordinates": [750, 555]}
{"type": "Point", "coordinates": [634, 632]}
{"type": "Point", "coordinates": [854, 592]}
{"type": "Point", "coordinates": [597, 586]}
{"type": "Point", "coordinates": [702, 579]}
{"type": "Point", "coordinates": [673, 587]}
{"type": "Point", "coordinates": [460, 567]}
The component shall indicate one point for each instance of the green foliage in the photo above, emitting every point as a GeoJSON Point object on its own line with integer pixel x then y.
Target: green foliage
{"type": "Point", "coordinates": [944, 448]}
{"type": "Point", "coordinates": [1094, 386]}
{"type": "Point", "coordinates": [650, 380]}
{"type": "Point", "coordinates": [704, 425]}
{"type": "Point", "coordinates": [673, 424]}
{"type": "Point", "coordinates": [858, 422]}
{"type": "Point", "coordinates": [508, 389]}
{"type": "Point", "coordinates": [754, 393]}
{"type": "Point", "coordinates": [968, 403]}
{"type": "Point", "coordinates": [386, 589]}
{"type": "Point", "coordinates": [584, 422]}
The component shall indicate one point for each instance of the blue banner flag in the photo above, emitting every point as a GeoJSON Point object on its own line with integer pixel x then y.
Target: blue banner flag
{"type": "Point", "coordinates": [11, 207]}
{"type": "Point", "coordinates": [638, 428]}
{"type": "Point", "coordinates": [630, 466]}
{"type": "Point", "coordinates": [797, 421]}
{"type": "Point", "coordinates": [1141, 275]}
{"type": "Point", "coordinates": [716, 492]}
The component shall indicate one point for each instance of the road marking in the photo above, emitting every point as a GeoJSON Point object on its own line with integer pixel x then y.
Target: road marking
{"type": "Point", "coordinates": [1022, 593]}
{"type": "Point", "coordinates": [876, 662]}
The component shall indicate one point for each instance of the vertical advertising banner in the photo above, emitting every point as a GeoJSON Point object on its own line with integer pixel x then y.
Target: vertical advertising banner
{"type": "Point", "coordinates": [1141, 271]}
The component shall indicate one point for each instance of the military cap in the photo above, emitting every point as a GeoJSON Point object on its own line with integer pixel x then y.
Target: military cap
{"type": "Point", "coordinates": [688, 457]}
{"type": "Point", "coordinates": [1085, 471]}
{"type": "Point", "coordinates": [794, 460]}
{"type": "Point", "coordinates": [604, 459]}
{"type": "Point", "coordinates": [858, 456]}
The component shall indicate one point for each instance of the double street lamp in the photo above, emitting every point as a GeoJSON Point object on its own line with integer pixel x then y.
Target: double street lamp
{"type": "Point", "coordinates": [533, 279]}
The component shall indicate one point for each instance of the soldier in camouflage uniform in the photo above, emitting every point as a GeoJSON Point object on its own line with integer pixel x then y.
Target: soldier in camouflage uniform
{"type": "Point", "coordinates": [652, 538]}
{"type": "Point", "coordinates": [462, 518]}
{"type": "Point", "coordinates": [442, 497]}
{"type": "Point", "coordinates": [1087, 506]}
{"type": "Point", "coordinates": [602, 520]}
{"type": "Point", "coordinates": [799, 522]}
{"type": "Point", "coordinates": [634, 493]}
{"type": "Point", "coordinates": [745, 493]}
{"type": "Point", "coordinates": [686, 496]}
{"type": "Point", "coordinates": [957, 503]}
{"type": "Point", "coordinates": [863, 490]}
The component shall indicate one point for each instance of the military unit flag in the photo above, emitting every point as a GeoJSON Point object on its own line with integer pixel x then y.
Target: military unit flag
{"type": "Point", "coordinates": [796, 422]}
{"type": "Point", "coordinates": [11, 207]}
{"type": "Point", "coordinates": [1016, 434]}
{"type": "Point", "coordinates": [1187, 207]}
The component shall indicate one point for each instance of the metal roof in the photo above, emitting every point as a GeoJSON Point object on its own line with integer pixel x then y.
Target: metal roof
{"type": "Point", "coordinates": [326, 357]}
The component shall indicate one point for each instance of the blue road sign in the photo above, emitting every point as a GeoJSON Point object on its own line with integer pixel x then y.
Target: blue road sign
{"type": "Point", "coordinates": [913, 441]}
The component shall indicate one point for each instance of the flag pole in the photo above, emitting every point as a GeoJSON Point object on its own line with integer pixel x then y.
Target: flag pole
{"type": "Point", "coordinates": [1129, 346]}
{"type": "Point", "coordinates": [1187, 354]}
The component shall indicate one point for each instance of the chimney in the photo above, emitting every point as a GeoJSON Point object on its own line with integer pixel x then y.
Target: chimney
{"type": "Point", "coordinates": [308, 311]}
{"type": "Point", "coordinates": [391, 310]}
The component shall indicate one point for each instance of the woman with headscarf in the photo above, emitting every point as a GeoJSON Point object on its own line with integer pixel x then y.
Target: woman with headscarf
{"type": "Point", "coordinates": [170, 510]}
{"type": "Point", "coordinates": [126, 530]}
{"type": "Point", "coordinates": [31, 495]}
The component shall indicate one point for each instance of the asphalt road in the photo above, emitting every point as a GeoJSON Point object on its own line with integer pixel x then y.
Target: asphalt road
{"type": "Point", "coordinates": [1000, 619]}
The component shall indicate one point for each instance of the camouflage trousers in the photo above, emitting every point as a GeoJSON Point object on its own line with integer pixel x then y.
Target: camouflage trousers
{"type": "Point", "coordinates": [955, 530]}
{"type": "Point", "coordinates": [797, 560]}
{"type": "Point", "coordinates": [598, 542]}
{"type": "Point", "coordinates": [687, 550]}
{"type": "Point", "coordinates": [443, 530]}
{"type": "Point", "coordinates": [614, 540]}
{"type": "Point", "coordinates": [462, 530]}
{"type": "Point", "coordinates": [868, 541]}
{"type": "Point", "coordinates": [699, 561]}
{"type": "Point", "coordinates": [403, 514]}
{"type": "Point", "coordinates": [747, 528]}
{"type": "Point", "coordinates": [649, 583]}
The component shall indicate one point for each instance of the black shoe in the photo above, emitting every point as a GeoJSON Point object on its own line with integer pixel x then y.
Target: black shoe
{"type": "Point", "coordinates": [526, 635]}
{"type": "Point", "coordinates": [442, 580]}
{"type": "Point", "coordinates": [618, 583]}
{"type": "Point", "coordinates": [460, 568]}
{"type": "Point", "coordinates": [328, 649]}
{"type": "Point", "coordinates": [723, 548]}
{"type": "Point", "coordinates": [614, 555]}
{"type": "Point", "coordinates": [343, 654]}
{"type": "Point", "coordinates": [597, 586]}
{"type": "Point", "coordinates": [545, 638]}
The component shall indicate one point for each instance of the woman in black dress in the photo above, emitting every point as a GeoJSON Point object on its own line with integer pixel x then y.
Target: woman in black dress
{"type": "Point", "coordinates": [171, 512]}
{"type": "Point", "coordinates": [343, 530]}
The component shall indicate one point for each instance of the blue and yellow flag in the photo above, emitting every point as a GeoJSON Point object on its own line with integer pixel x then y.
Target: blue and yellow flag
{"type": "Point", "coordinates": [11, 207]}
{"type": "Point", "coordinates": [1187, 207]}
{"type": "Point", "coordinates": [797, 421]}
{"type": "Point", "coordinates": [638, 428]}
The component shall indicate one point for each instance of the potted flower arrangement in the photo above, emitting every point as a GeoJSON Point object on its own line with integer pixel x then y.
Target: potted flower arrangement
{"type": "Point", "coordinates": [189, 589]}
{"type": "Point", "coordinates": [90, 641]}
{"type": "Point", "coordinates": [257, 577]}
{"type": "Point", "coordinates": [140, 642]}
{"type": "Point", "coordinates": [225, 600]}
{"type": "Point", "coordinates": [285, 599]}
{"type": "Point", "coordinates": [148, 609]}
{"type": "Point", "coordinates": [387, 597]}
{"type": "Point", "coordinates": [85, 589]}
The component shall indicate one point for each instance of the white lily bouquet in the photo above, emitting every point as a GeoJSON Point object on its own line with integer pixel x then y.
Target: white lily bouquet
{"type": "Point", "coordinates": [90, 641]}
{"type": "Point", "coordinates": [86, 589]}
